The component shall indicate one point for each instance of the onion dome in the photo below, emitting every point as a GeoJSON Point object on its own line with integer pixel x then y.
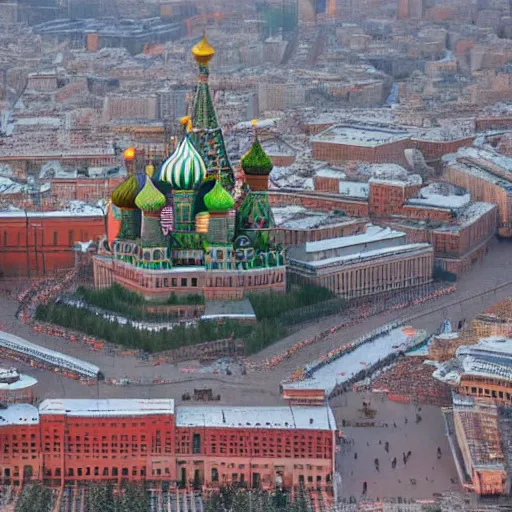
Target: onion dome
{"type": "Point", "coordinates": [219, 199]}
{"type": "Point", "coordinates": [150, 199]}
{"type": "Point", "coordinates": [256, 161]}
{"type": "Point", "coordinates": [124, 194]}
{"type": "Point", "coordinates": [185, 168]}
{"type": "Point", "coordinates": [203, 51]}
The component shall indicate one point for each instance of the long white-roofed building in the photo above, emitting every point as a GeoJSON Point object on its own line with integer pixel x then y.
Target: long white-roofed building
{"type": "Point", "coordinates": [83, 440]}
{"type": "Point", "coordinates": [376, 261]}
{"type": "Point", "coordinates": [15, 347]}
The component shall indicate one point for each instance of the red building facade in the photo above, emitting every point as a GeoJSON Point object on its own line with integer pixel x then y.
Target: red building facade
{"type": "Point", "coordinates": [66, 441]}
{"type": "Point", "coordinates": [40, 243]}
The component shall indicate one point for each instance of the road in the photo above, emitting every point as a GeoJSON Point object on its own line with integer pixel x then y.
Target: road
{"type": "Point", "coordinates": [486, 283]}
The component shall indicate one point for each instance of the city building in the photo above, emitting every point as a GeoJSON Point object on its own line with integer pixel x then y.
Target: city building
{"type": "Point", "coordinates": [495, 320]}
{"type": "Point", "coordinates": [482, 370]}
{"type": "Point", "coordinates": [443, 215]}
{"type": "Point", "coordinates": [364, 143]}
{"type": "Point", "coordinates": [376, 261]}
{"type": "Point", "coordinates": [479, 458]}
{"type": "Point", "coordinates": [486, 174]}
{"type": "Point", "coordinates": [70, 441]}
{"type": "Point", "coordinates": [39, 243]}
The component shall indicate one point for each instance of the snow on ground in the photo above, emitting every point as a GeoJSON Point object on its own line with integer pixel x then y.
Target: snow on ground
{"type": "Point", "coordinates": [348, 365]}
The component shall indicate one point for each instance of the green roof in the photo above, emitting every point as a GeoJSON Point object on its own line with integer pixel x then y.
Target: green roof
{"type": "Point", "coordinates": [256, 161]}
{"type": "Point", "coordinates": [124, 194]}
{"type": "Point", "coordinates": [219, 199]}
{"type": "Point", "coordinates": [150, 199]}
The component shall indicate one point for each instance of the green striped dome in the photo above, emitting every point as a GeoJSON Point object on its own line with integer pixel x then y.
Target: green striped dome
{"type": "Point", "coordinates": [256, 161]}
{"type": "Point", "coordinates": [185, 168]}
{"type": "Point", "coordinates": [150, 199]}
{"type": "Point", "coordinates": [124, 194]}
{"type": "Point", "coordinates": [219, 199]}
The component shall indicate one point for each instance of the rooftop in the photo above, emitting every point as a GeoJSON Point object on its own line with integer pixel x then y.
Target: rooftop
{"type": "Point", "coordinates": [300, 218]}
{"type": "Point", "coordinates": [363, 255]}
{"type": "Point", "coordinates": [441, 195]}
{"type": "Point", "coordinates": [480, 426]}
{"type": "Point", "coordinates": [360, 135]}
{"type": "Point", "coordinates": [19, 414]}
{"type": "Point", "coordinates": [372, 234]}
{"type": "Point", "coordinates": [315, 418]}
{"type": "Point", "coordinates": [117, 407]}
{"type": "Point", "coordinates": [489, 358]}
{"type": "Point", "coordinates": [236, 309]}
{"type": "Point", "coordinates": [12, 342]}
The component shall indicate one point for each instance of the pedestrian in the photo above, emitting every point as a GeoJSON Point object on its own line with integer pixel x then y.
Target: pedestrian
{"type": "Point", "coordinates": [393, 463]}
{"type": "Point", "coordinates": [386, 447]}
{"type": "Point", "coordinates": [355, 455]}
{"type": "Point", "coordinates": [439, 452]}
{"type": "Point", "coordinates": [365, 487]}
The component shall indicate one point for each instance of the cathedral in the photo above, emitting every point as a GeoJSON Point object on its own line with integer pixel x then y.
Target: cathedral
{"type": "Point", "coordinates": [181, 230]}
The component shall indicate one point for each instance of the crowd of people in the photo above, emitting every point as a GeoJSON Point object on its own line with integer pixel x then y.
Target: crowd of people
{"type": "Point", "coordinates": [410, 380]}
{"type": "Point", "coordinates": [361, 311]}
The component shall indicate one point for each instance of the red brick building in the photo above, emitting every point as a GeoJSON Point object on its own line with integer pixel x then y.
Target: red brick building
{"type": "Point", "coordinates": [365, 143]}
{"type": "Point", "coordinates": [40, 243]}
{"type": "Point", "coordinates": [69, 441]}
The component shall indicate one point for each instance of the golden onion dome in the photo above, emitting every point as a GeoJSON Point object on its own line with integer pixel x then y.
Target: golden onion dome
{"type": "Point", "coordinates": [219, 199]}
{"type": "Point", "coordinates": [124, 194]}
{"type": "Point", "coordinates": [203, 51]}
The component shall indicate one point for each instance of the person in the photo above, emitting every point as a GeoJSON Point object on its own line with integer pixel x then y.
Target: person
{"type": "Point", "coordinates": [439, 452]}
{"type": "Point", "coordinates": [386, 446]}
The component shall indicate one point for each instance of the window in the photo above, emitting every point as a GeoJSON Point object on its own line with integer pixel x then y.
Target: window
{"type": "Point", "coordinates": [194, 281]}
{"type": "Point", "coordinates": [55, 238]}
{"type": "Point", "coordinates": [5, 237]}
{"type": "Point", "coordinates": [196, 443]}
{"type": "Point", "coordinates": [183, 281]}
{"type": "Point", "coordinates": [174, 282]}
{"type": "Point", "coordinates": [71, 237]}
{"type": "Point", "coordinates": [215, 475]}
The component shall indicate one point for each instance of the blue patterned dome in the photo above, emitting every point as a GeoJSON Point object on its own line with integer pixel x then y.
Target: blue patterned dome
{"type": "Point", "coordinates": [185, 168]}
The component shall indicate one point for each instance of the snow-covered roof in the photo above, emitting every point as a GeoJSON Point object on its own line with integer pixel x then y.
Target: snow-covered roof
{"type": "Point", "coordinates": [441, 195]}
{"type": "Point", "coordinates": [411, 179]}
{"type": "Point", "coordinates": [328, 172]}
{"type": "Point", "coordinates": [360, 135]}
{"type": "Point", "coordinates": [354, 189]}
{"type": "Point", "coordinates": [19, 414]}
{"type": "Point", "coordinates": [75, 209]}
{"type": "Point", "coordinates": [284, 417]}
{"type": "Point", "coordinates": [362, 255]}
{"type": "Point", "coordinates": [489, 358]}
{"type": "Point", "coordinates": [372, 234]}
{"type": "Point", "coordinates": [108, 407]}
{"type": "Point", "coordinates": [17, 344]}
{"type": "Point", "coordinates": [300, 218]}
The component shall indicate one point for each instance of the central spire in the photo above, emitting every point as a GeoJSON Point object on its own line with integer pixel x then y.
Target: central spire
{"type": "Point", "coordinates": [207, 135]}
{"type": "Point", "coordinates": [203, 115]}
